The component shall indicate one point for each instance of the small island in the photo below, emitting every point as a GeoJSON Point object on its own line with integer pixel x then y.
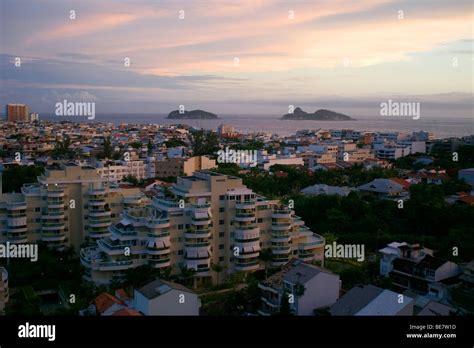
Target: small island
{"type": "Point", "coordinates": [193, 114]}
{"type": "Point", "coordinates": [319, 115]}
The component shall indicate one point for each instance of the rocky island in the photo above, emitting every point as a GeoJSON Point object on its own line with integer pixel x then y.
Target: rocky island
{"type": "Point", "coordinates": [319, 115]}
{"type": "Point", "coordinates": [193, 114]}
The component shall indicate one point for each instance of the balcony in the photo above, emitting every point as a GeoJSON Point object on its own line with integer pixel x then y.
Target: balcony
{"type": "Point", "coordinates": [166, 205]}
{"type": "Point", "coordinates": [17, 239]}
{"type": "Point", "coordinates": [197, 233]}
{"type": "Point", "coordinates": [52, 226]}
{"type": "Point", "coordinates": [281, 226]}
{"type": "Point", "coordinates": [280, 250]}
{"type": "Point", "coordinates": [12, 206]}
{"type": "Point", "coordinates": [99, 213]}
{"type": "Point", "coordinates": [53, 237]}
{"type": "Point", "coordinates": [98, 234]}
{"type": "Point", "coordinates": [107, 246]}
{"type": "Point", "coordinates": [248, 266]}
{"type": "Point", "coordinates": [314, 243]}
{"type": "Point", "coordinates": [281, 214]}
{"type": "Point", "coordinates": [160, 263]}
{"type": "Point", "coordinates": [244, 217]}
{"type": "Point", "coordinates": [245, 205]}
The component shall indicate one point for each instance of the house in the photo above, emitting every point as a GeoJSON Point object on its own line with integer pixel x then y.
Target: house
{"type": "Point", "coordinates": [384, 188]}
{"type": "Point", "coordinates": [322, 189]}
{"type": "Point", "coordinates": [468, 176]}
{"type": "Point", "coordinates": [105, 304]}
{"type": "Point", "coordinates": [372, 300]}
{"type": "Point", "coordinates": [414, 267]}
{"type": "Point", "coordinates": [308, 287]}
{"type": "Point", "coordinates": [161, 297]}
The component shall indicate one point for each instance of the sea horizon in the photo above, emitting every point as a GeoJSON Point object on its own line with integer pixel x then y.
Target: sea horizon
{"type": "Point", "coordinates": [455, 126]}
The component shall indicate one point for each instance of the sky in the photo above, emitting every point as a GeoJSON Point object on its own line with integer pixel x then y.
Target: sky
{"type": "Point", "coordinates": [238, 57]}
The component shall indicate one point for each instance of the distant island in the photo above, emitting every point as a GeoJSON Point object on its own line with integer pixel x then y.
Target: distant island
{"type": "Point", "coordinates": [320, 115]}
{"type": "Point", "coordinates": [193, 114]}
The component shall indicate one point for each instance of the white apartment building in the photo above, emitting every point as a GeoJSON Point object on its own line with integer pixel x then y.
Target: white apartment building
{"type": "Point", "coordinates": [284, 160]}
{"type": "Point", "coordinates": [311, 287]}
{"type": "Point", "coordinates": [211, 219]}
{"type": "Point", "coordinates": [117, 170]}
{"type": "Point", "coordinates": [161, 297]}
{"type": "Point", "coordinates": [67, 205]}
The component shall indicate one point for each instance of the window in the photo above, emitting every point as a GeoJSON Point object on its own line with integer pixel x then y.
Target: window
{"type": "Point", "coordinates": [180, 252]}
{"type": "Point", "coordinates": [259, 220]}
{"type": "Point", "coordinates": [221, 234]}
{"type": "Point", "coordinates": [221, 197]}
{"type": "Point", "coordinates": [221, 259]}
{"type": "Point", "coordinates": [221, 246]}
{"type": "Point", "coordinates": [221, 222]}
{"type": "Point", "coordinates": [180, 227]}
{"type": "Point", "coordinates": [221, 210]}
{"type": "Point", "coordinates": [37, 209]}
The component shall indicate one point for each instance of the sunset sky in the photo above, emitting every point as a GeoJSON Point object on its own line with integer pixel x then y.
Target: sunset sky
{"type": "Point", "coordinates": [345, 55]}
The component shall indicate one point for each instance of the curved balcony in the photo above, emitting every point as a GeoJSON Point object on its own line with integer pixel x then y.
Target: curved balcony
{"type": "Point", "coordinates": [16, 221]}
{"type": "Point", "coordinates": [17, 229]}
{"type": "Point", "coordinates": [52, 216]}
{"type": "Point", "coordinates": [99, 223]}
{"type": "Point", "coordinates": [53, 237]}
{"type": "Point", "coordinates": [244, 217]}
{"type": "Point", "coordinates": [56, 194]}
{"type": "Point", "coordinates": [245, 234]}
{"type": "Point", "coordinates": [281, 214]}
{"type": "Point", "coordinates": [17, 239]}
{"type": "Point", "coordinates": [99, 213]}
{"type": "Point", "coordinates": [158, 223]}
{"type": "Point", "coordinates": [52, 226]}
{"type": "Point", "coordinates": [106, 245]}
{"type": "Point", "coordinates": [55, 205]}
{"type": "Point", "coordinates": [252, 265]}
{"type": "Point", "coordinates": [159, 262]}
{"type": "Point", "coordinates": [245, 205]}
{"type": "Point", "coordinates": [97, 202]}
{"type": "Point", "coordinates": [280, 237]}
{"type": "Point", "coordinates": [280, 250]}
{"type": "Point", "coordinates": [197, 233]}
{"type": "Point", "coordinates": [201, 222]}
{"type": "Point", "coordinates": [13, 206]}
{"type": "Point", "coordinates": [281, 226]}
{"type": "Point", "coordinates": [99, 234]}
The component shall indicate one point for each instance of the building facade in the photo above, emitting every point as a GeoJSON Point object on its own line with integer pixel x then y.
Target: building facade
{"type": "Point", "coordinates": [207, 219]}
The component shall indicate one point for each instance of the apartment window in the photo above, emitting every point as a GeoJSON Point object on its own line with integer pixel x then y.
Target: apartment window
{"type": "Point", "coordinates": [180, 227]}
{"type": "Point", "coordinates": [221, 210]}
{"type": "Point", "coordinates": [221, 234]}
{"type": "Point", "coordinates": [222, 197]}
{"type": "Point", "coordinates": [221, 259]}
{"type": "Point", "coordinates": [259, 220]}
{"type": "Point", "coordinates": [37, 209]}
{"type": "Point", "coordinates": [38, 220]}
{"type": "Point", "coordinates": [180, 252]}
{"type": "Point", "coordinates": [188, 226]}
{"type": "Point", "coordinates": [221, 222]}
{"type": "Point", "coordinates": [231, 259]}
{"type": "Point", "coordinates": [221, 246]}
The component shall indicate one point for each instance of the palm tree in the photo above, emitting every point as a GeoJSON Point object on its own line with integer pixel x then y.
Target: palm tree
{"type": "Point", "coordinates": [216, 267]}
{"type": "Point", "coordinates": [266, 256]}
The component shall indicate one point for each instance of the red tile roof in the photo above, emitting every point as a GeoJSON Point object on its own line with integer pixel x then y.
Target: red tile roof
{"type": "Point", "coordinates": [104, 301]}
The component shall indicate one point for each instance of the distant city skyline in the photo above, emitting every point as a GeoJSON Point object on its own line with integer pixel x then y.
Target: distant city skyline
{"type": "Point", "coordinates": [234, 57]}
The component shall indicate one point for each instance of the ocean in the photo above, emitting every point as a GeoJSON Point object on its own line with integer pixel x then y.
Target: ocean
{"type": "Point", "coordinates": [440, 127]}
